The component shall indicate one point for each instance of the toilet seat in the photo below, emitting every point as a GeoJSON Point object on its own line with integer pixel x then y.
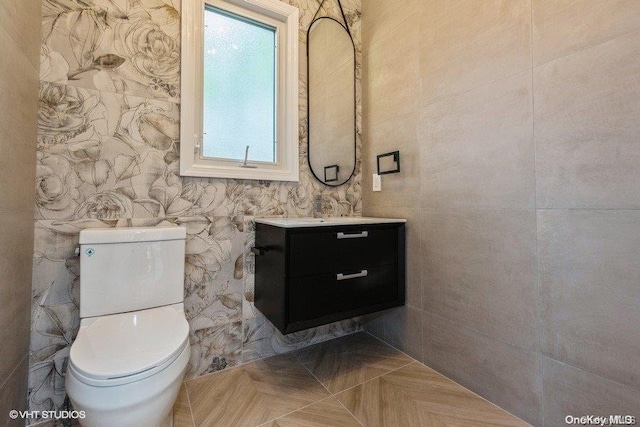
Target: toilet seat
{"type": "Point", "coordinates": [123, 348]}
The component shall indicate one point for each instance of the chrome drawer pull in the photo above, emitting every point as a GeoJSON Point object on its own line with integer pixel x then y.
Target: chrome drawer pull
{"type": "Point", "coordinates": [353, 236]}
{"type": "Point", "coordinates": [341, 276]}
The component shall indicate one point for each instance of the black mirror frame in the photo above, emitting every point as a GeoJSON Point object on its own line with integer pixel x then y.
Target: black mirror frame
{"type": "Point", "coordinates": [355, 106]}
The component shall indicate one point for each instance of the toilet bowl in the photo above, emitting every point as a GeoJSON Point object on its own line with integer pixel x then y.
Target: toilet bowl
{"type": "Point", "coordinates": [129, 359]}
{"type": "Point", "coordinates": [126, 369]}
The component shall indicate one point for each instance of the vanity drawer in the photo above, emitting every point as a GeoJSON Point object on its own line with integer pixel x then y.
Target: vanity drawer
{"type": "Point", "coordinates": [349, 248]}
{"type": "Point", "coordinates": [317, 296]}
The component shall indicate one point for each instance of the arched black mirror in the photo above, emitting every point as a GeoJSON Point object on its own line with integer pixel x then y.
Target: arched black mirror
{"type": "Point", "coordinates": [331, 65]}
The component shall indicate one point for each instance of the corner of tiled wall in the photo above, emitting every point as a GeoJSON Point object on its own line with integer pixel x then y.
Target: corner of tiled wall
{"type": "Point", "coordinates": [19, 32]}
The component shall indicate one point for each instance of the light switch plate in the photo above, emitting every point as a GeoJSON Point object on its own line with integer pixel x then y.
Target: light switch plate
{"type": "Point", "coordinates": [377, 182]}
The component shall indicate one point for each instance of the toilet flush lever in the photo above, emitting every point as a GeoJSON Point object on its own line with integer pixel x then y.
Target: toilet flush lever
{"type": "Point", "coordinates": [88, 252]}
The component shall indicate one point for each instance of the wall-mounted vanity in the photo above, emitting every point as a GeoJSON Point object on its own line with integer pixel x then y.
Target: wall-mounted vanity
{"type": "Point", "coordinates": [314, 271]}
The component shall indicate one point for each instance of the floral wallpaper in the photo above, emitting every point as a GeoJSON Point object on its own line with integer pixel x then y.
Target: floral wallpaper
{"type": "Point", "coordinates": [108, 149]}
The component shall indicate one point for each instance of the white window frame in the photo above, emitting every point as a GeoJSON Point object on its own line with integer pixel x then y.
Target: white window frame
{"type": "Point", "coordinates": [192, 163]}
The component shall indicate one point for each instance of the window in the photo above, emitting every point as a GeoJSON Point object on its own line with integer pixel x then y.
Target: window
{"type": "Point", "coordinates": [239, 88]}
{"type": "Point", "coordinates": [239, 109]}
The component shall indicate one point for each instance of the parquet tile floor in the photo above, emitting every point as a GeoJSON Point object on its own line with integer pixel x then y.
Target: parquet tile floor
{"type": "Point", "coordinates": [355, 380]}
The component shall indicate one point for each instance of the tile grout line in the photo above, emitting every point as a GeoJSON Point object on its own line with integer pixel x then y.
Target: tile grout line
{"type": "Point", "coordinates": [599, 376]}
{"type": "Point", "coordinates": [513, 209]}
{"type": "Point", "coordinates": [395, 348]}
{"type": "Point", "coordinates": [587, 47]}
{"type": "Point", "coordinates": [590, 209]}
{"type": "Point", "coordinates": [449, 96]}
{"type": "Point", "coordinates": [313, 375]}
{"type": "Point", "coordinates": [295, 410]}
{"type": "Point", "coordinates": [347, 409]}
{"type": "Point", "coordinates": [36, 67]}
{"type": "Point", "coordinates": [458, 384]}
{"type": "Point", "coordinates": [378, 376]}
{"type": "Point", "coordinates": [533, 350]}
{"type": "Point", "coordinates": [237, 366]}
{"type": "Point", "coordinates": [109, 92]}
{"type": "Point", "coordinates": [444, 376]}
{"type": "Point", "coordinates": [193, 419]}
{"type": "Point", "coordinates": [393, 28]}
{"type": "Point", "coordinates": [535, 216]}
{"type": "Point", "coordinates": [15, 368]}
{"type": "Point", "coordinates": [330, 392]}
{"type": "Point", "coordinates": [334, 395]}
{"type": "Point", "coordinates": [293, 352]}
{"type": "Point", "coordinates": [210, 374]}
{"type": "Point", "coordinates": [475, 394]}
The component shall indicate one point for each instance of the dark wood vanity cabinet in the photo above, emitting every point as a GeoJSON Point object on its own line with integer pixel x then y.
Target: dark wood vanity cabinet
{"type": "Point", "coordinates": [311, 276]}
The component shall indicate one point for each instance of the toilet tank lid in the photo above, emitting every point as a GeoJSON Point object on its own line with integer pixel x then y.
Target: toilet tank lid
{"type": "Point", "coordinates": [131, 234]}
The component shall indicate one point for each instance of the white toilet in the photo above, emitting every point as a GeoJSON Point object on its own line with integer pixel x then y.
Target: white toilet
{"type": "Point", "coordinates": [129, 359]}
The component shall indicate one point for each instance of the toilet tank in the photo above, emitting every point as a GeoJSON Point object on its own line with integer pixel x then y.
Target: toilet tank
{"type": "Point", "coordinates": [130, 269]}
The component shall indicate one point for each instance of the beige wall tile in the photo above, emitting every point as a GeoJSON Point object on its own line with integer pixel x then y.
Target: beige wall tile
{"type": "Point", "coordinates": [561, 28]}
{"type": "Point", "coordinates": [391, 66]}
{"type": "Point", "coordinates": [480, 272]}
{"type": "Point", "coordinates": [413, 247]}
{"type": "Point", "coordinates": [21, 20]}
{"type": "Point", "coordinates": [589, 273]}
{"type": "Point", "coordinates": [587, 127]}
{"type": "Point", "coordinates": [13, 394]}
{"type": "Point", "coordinates": [571, 391]}
{"type": "Point", "coordinates": [403, 330]}
{"type": "Point", "coordinates": [413, 255]}
{"type": "Point", "coordinates": [16, 237]}
{"type": "Point", "coordinates": [476, 148]}
{"type": "Point", "coordinates": [19, 36]}
{"type": "Point", "coordinates": [467, 43]}
{"type": "Point", "coordinates": [480, 184]}
{"type": "Point", "coordinates": [382, 16]}
{"type": "Point", "coordinates": [398, 189]}
{"type": "Point", "coordinates": [18, 121]}
{"type": "Point", "coordinates": [501, 373]}
{"type": "Point", "coordinates": [374, 324]}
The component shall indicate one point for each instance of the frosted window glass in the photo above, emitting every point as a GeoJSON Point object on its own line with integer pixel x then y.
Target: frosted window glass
{"type": "Point", "coordinates": [239, 87]}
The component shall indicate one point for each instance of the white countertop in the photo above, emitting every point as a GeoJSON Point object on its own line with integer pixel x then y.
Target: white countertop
{"type": "Point", "coordinates": [326, 222]}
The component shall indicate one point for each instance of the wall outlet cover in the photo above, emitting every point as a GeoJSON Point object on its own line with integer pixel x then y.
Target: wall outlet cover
{"type": "Point", "coordinates": [377, 182]}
